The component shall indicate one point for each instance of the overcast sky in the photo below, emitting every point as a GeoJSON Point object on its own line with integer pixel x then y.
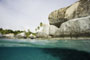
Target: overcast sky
{"type": "Point", "coordinates": [27, 14]}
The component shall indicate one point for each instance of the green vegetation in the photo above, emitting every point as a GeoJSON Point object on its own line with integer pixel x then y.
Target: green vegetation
{"type": "Point", "coordinates": [41, 24]}
{"type": "Point", "coordinates": [7, 31]}
{"type": "Point", "coordinates": [16, 32]}
{"type": "Point", "coordinates": [27, 34]}
{"type": "Point", "coordinates": [38, 27]}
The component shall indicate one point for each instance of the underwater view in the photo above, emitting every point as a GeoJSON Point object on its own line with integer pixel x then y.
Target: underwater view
{"type": "Point", "coordinates": [27, 49]}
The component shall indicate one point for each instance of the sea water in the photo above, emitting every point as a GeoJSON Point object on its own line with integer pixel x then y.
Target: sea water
{"type": "Point", "coordinates": [27, 49]}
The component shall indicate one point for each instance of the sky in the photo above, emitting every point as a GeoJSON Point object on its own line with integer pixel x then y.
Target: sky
{"type": "Point", "coordinates": [27, 14]}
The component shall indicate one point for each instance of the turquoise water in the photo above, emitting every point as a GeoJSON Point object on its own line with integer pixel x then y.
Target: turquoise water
{"type": "Point", "coordinates": [14, 49]}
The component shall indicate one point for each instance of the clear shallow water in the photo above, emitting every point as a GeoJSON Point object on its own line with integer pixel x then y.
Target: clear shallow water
{"type": "Point", "coordinates": [13, 49]}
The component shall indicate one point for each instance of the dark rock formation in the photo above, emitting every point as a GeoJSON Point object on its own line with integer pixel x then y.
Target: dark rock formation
{"type": "Point", "coordinates": [57, 17]}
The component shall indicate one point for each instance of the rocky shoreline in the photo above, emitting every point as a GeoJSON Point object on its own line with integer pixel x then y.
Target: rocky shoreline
{"type": "Point", "coordinates": [55, 38]}
{"type": "Point", "coordinates": [71, 21]}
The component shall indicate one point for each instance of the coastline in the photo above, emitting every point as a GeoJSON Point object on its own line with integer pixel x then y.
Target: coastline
{"type": "Point", "coordinates": [65, 38]}
{"type": "Point", "coordinates": [55, 38]}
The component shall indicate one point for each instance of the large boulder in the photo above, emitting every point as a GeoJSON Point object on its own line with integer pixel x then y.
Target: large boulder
{"type": "Point", "coordinates": [32, 36]}
{"type": "Point", "coordinates": [41, 35]}
{"type": "Point", "coordinates": [57, 17]}
{"type": "Point", "coordinates": [21, 35]}
{"type": "Point", "coordinates": [52, 30]}
{"type": "Point", "coordinates": [44, 32]}
{"type": "Point", "coordinates": [9, 35]}
{"type": "Point", "coordinates": [75, 27]}
{"type": "Point", "coordinates": [47, 31]}
{"type": "Point", "coordinates": [76, 10]}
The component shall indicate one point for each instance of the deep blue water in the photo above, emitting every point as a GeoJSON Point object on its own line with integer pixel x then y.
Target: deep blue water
{"type": "Point", "coordinates": [44, 50]}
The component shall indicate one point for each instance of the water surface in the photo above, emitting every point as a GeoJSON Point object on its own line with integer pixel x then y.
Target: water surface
{"type": "Point", "coordinates": [20, 49]}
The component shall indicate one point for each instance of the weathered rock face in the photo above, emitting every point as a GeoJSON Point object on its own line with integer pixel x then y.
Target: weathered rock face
{"type": "Point", "coordinates": [47, 31]}
{"type": "Point", "coordinates": [52, 30]}
{"type": "Point", "coordinates": [71, 11]}
{"type": "Point", "coordinates": [75, 27]}
{"type": "Point", "coordinates": [20, 35]}
{"type": "Point", "coordinates": [57, 17]}
{"type": "Point", "coordinates": [81, 9]}
{"type": "Point", "coordinates": [42, 35]}
{"type": "Point", "coordinates": [73, 20]}
{"type": "Point", "coordinates": [76, 10]}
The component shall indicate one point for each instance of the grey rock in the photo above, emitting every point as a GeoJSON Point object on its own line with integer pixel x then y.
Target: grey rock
{"type": "Point", "coordinates": [47, 31]}
{"type": "Point", "coordinates": [76, 10]}
{"type": "Point", "coordinates": [57, 17]}
{"type": "Point", "coordinates": [75, 26]}
{"type": "Point", "coordinates": [42, 35]}
{"type": "Point", "coordinates": [52, 30]}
